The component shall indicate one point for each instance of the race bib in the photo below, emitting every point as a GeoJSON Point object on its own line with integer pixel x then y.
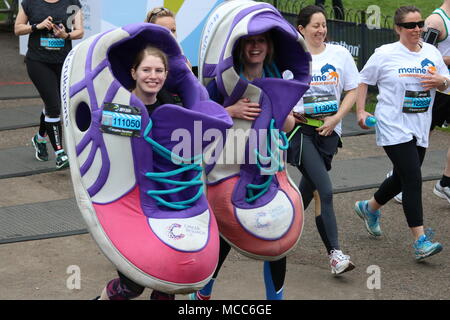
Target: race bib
{"type": "Point", "coordinates": [49, 42]}
{"type": "Point", "coordinates": [320, 106]}
{"type": "Point", "coordinates": [121, 120]}
{"type": "Point", "coordinates": [416, 101]}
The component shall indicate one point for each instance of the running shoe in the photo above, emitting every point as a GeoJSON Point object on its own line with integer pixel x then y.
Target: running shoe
{"type": "Point", "coordinates": [340, 262]}
{"type": "Point", "coordinates": [398, 197]}
{"type": "Point", "coordinates": [371, 220]}
{"type": "Point", "coordinates": [41, 148]}
{"type": "Point", "coordinates": [441, 192]}
{"type": "Point", "coordinates": [62, 160]}
{"type": "Point", "coordinates": [424, 248]}
{"type": "Point", "coordinates": [198, 296]}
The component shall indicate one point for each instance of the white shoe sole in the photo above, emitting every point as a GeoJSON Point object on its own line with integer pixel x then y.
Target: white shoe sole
{"type": "Point", "coordinates": [344, 268]}
{"type": "Point", "coordinates": [432, 253]}
{"type": "Point", "coordinates": [36, 151]}
{"type": "Point", "coordinates": [440, 194]}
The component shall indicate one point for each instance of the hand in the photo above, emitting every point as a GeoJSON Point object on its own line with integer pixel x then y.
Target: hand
{"type": "Point", "coordinates": [59, 31]}
{"type": "Point", "coordinates": [244, 109]}
{"type": "Point", "coordinates": [299, 117]}
{"type": "Point", "coordinates": [435, 80]}
{"type": "Point", "coordinates": [329, 123]}
{"type": "Point", "coordinates": [47, 23]}
{"type": "Point", "coordinates": [361, 118]}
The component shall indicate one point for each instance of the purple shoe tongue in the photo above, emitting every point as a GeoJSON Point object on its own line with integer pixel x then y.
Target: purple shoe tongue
{"type": "Point", "coordinates": [283, 96]}
{"type": "Point", "coordinates": [182, 130]}
{"type": "Point", "coordinates": [278, 99]}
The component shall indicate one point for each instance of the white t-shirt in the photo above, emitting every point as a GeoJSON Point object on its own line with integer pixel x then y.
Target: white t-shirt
{"type": "Point", "coordinates": [333, 71]}
{"type": "Point", "coordinates": [404, 109]}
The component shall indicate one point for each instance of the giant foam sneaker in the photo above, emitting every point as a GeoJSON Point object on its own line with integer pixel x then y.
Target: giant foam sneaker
{"type": "Point", "coordinates": [142, 200]}
{"type": "Point", "coordinates": [258, 208]}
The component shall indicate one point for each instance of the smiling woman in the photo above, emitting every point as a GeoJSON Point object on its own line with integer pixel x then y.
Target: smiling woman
{"type": "Point", "coordinates": [407, 74]}
{"type": "Point", "coordinates": [150, 72]}
{"type": "Point", "coordinates": [318, 126]}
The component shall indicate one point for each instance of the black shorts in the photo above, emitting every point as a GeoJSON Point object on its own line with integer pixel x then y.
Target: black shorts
{"type": "Point", "coordinates": [441, 110]}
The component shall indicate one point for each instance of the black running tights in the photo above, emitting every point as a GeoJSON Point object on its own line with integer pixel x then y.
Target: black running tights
{"type": "Point", "coordinates": [407, 159]}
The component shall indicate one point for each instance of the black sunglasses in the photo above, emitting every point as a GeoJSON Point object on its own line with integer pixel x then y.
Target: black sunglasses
{"type": "Point", "coordinates": [411, 25]}
{"type": "Point", "coordinates": [157, 11]}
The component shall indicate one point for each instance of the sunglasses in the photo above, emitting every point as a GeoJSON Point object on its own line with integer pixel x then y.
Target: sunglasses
{"type": "Point", "coordinates": [411, 25]}
{"type": "Point", "coordinates": [156, 12]}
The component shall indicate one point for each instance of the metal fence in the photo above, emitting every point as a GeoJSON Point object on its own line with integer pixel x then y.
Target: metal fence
{"type": "Point", "coordinates": [9, 8]}
{"type": "Point", "coordinates": [361, 31]}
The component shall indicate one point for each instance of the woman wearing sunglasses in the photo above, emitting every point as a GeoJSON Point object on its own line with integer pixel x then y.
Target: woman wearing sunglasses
{"type": "Point", "coordinates": [163, 17]}
{"type": "Point", "coordinates": [407, 74]}
{"type": "Point", "coordinates": [166, 18]}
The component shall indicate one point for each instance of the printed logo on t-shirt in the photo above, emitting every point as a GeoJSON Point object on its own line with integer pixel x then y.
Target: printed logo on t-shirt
{"type": "Point", "coordinates": [426, 66]}
{"type": "Point", "coordinates": [328, 76]}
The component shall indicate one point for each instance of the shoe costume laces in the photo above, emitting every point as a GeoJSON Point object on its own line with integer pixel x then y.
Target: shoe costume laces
{"type": "Point", "coordinates": [185, 165]}
{"type": "Point", "coordinates": [274, 158]}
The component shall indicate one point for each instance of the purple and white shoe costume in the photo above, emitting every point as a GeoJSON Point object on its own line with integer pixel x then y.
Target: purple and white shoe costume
{"type": "Point", "coordinates": [144, 205]}
{"type": "Point", "coordinates": [258, 208]}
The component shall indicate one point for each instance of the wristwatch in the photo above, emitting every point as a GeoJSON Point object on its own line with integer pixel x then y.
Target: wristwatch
{"type": "Point", "coordinates": [68, 36]}
{"type": "Point", "coordinates": [33, 27]}
{"type": "Point", "coordinates": [446, 83]}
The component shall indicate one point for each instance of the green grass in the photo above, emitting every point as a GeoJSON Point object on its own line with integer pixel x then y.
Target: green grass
{"type": "Point", "coordinates": [387, 7]}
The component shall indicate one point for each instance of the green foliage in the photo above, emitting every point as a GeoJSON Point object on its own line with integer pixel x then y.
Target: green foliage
{"type": "Point", "coordinates": [387, 7]}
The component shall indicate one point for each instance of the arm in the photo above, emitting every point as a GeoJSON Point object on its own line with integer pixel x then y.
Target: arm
{"type": "Point", "coordinates": [435, 21]}
{"type": "Point", "coordinates": [331, 122]}
{"type": "Point", "coordinates": [289, 123]}
{"type": "Point", "coordinates": [361, 97]}
{"type": "Point", "coordinates": [244, 109]}
{"type": "Point", "coordinates": [76, 33]}
{"type": "Point", "coordinates": [446, 60]}
{"type": "Point", "coordinates": [21, 26]}
{"type": "Point", "coordinates": [435, 80]}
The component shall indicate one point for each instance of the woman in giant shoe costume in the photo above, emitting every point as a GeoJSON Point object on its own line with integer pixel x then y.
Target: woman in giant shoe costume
{"type": "Point", "coordinates": [246, 47]}
{"type": "Point", "coordinates": [143, 204]}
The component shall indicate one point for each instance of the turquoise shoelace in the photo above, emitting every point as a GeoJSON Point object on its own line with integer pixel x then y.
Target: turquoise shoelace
{"type": "Point", "coordinates": [273, 157]}
{"type": "Point", "coordinates": [193, 163]}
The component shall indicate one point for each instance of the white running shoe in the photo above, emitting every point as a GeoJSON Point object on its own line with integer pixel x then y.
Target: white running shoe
{"type": "Point", "coordinates": [340, 262]}
{"type": "Point", "coordinates": [441, 192]}
{"type": "Point", "coordinates": [399, 197]}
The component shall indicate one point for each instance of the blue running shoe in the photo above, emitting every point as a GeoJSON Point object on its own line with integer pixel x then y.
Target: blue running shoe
{"type": "Point", "coordinates": [198, 296]}
{"type": "Point", "coordinates": [424, 248]}
{"type": "Point", "coordinates": [371, 220]}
